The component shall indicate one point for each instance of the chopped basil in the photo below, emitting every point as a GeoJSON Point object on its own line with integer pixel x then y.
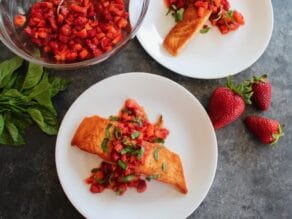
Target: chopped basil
{"type": "Point", "coordinates": [99, 181]}
{"type": "Point", "coordinates": [164, 166]}
{"type": "Point", "coordinates": [117, 133]}
{"type": "Point", "coordinates": [154, 176]}
{"type": "Point", "coordinates": [135, 134]}
{"type": "Point", "coordinates": [128, 178]}
{"type": "Point", "coordinates": [126, 150]}
{"type": "Point", "coordinates": [229, 14]}
{"type": "Point", "coordinates": [125, 142]}
{"type": "Point", "coordinates": [155, 153]}
{"type": "Point", "coordinates": [122, 164]}
{"type": "Point", "coordinates": [158, 140]}
{"type": "Point", "coordinates": [141, 152]}
{"type": "Point", "coordinates": [107, 130]}
{"type": "Point", "coordinates": [138, 121]}
{"type": "Point", "coordinates": [114, 118]}
{"type": "Point", "coordinates": [205, 30]}
{"type": "Point", "coordinates": [178, 14]}
{"type": "Point", "coordinates": [129, 112]}
{"type": "Point", "coordinates": [104, 144]}
{"type": "Point", "coordinates": [119, 192]}
{"type": "Point", "coordinates": [94, 170]}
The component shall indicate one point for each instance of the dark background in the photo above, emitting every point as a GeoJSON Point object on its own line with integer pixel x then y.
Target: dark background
{"type": "Point", "coordinates": [252, 180]}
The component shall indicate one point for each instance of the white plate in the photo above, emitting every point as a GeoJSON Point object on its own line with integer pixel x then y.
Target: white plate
{"type": "Point", "coordinates": [191, 136]}
{"type": "Point", "coordinates": [210, 55]}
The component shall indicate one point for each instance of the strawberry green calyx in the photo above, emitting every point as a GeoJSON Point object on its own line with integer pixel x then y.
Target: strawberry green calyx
{"type": "Point", "coordinates": [258, 79]}
{"type": "Point", "coordinates": [244, 89]}
{"type": "Point", "coordinates": [277, 136]}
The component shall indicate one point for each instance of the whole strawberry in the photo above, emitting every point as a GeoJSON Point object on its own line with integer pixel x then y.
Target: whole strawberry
{"type": "Point", "coordinates": [262, 92]}
{"type": "Point", "coordinates": [268, 131]}
{"type": "Point", "coordinates": [228, 103]}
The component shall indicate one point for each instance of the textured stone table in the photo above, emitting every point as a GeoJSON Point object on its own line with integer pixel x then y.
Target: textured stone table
{"type": "Point", "coordinates": [252, 180]}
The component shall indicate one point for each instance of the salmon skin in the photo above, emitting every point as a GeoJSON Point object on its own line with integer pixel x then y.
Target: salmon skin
{"type": "Point", "coordinates": [91, 133]}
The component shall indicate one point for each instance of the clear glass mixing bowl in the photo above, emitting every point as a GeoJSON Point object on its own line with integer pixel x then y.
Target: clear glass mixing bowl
{"type": "Point", "coordinates": [16, 41]}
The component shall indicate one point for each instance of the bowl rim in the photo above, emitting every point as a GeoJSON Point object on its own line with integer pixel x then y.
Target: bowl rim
{"type": "Point", "coordinates": [4, 37]}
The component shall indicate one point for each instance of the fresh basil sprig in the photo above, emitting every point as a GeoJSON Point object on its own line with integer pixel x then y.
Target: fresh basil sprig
{"type": "Point", "coordinates": [26, 98]}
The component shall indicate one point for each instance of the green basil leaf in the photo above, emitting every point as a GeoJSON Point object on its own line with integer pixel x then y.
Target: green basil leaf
{"type": "Point", "coordinates": [42, 93]}
{"type": "Point", "coordinates": [114, 118]}
{"type": "Point", "coordinates": [107, 131]}
{"type": "Point", "coordinates": [138, 121]}
{"type": "Point", "coordinates": [117, 133]}
{"type": "Point", "coordinates": [154, 176]}
{"type": "Point", "coordinates": [164, 166]}
{"type": "Point", "coordinates": [38, 118]}
{"type": "Point", "coordinates": [155, 153]}
{"type": "Point", "coordinates": [58, 84]}
{"type": "Point", "coordinates": [14, 133]}
{"type": "Point", "coordinates": [2, 124]}
{"type": "Point", "coordinates": [33, 76]}
{"type": "Point", "coordinates": [104, 145]}
{"type": "Point", "coordinates": [126, 150]}
{"type": "Point", "coordinates": [122, 164]}
{"type": "Point", "coordinates": [119, 192]}
{"type": "Point", "coordinates": [135, 134]}
{"type": "Point", "coordinates": [158, 140]}
{"type": "Point", "coordinates": [99, 181]}
{"type": "Point", "coordinates": [128, 178]}
{"type": "Point", "coordinates": [7, 68]}
{"type": "Point", "coordinates": [205, 30]}
{"type": "Point", "coordinates": [94, 170]}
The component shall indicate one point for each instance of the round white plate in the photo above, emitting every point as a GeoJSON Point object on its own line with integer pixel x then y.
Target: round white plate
{"type": "Point", "coordinates": [191, 136]}
{"type": "Point", "coordinates": [210, 55]}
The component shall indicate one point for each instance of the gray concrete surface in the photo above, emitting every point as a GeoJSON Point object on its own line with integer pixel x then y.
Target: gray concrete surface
{"type": "Point", "coordinates": [252, 180]}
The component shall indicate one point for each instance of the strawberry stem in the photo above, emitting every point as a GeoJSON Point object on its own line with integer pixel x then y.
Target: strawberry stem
{"type": "Point", "coordinates": [243, 89]}
{"type": "Point", "coordinates": [258, 79]}
{"type": "Point", "coordinates": [278, 135]}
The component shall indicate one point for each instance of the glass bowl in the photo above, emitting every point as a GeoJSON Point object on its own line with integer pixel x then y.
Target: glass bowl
{"type": "Point", "coordinates": [18, 43]}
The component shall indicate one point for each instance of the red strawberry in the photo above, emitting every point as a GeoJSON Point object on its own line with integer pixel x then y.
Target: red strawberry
{"type": "Point", "coordinates": [268, 131]}
{"type": "Point", "coordinates": [262, 92]}
{"type": "Point", "coordinates": [228, 103]}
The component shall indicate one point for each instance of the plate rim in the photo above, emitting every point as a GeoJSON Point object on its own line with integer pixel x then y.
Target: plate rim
{"type": "Point", "coordinates": [143, 74]}
{"type": "Point", "coordinates": [183, 73]}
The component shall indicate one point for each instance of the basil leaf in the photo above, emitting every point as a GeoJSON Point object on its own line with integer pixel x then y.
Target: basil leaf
{"type": "Point", "coordinates": [33, 76]}
{"type": "Point", "coordinates": [114, 118]}
{"type": "Point", "coordinates": [126, 150]}
{"type": "Point", "coordinates": [158, 140]}
{"type": "Point", "coordinates": [94, 170]}
{"type": "Point", "coordinates": [42, 94]}
{"type": "Point", "coordinates": [178, 14]}
{"type": "Point", "coordinates": [119, 192]}
{"type": "Point", "coordinates": [38, 118]}
{"type": "Point", "coordinates": [125, 142]}
{"type": "Point", "coordinates": [128, 178]}
{"type": "Point", "coordinates": [155, 153]}
{"type": "Point", "coordinates": [139, 152]}
{"type": "Point", "coordinates": [14, 133]}
{"type": "Point", "coordinates": [117, 133]}
{"type": "Point", "coordinates": [2, 124]}
{"type": "Point", "coordinates": [164, 166]}
{"type": "Point", "coordinates": [205, 30]}
{"type": "Point", "coordinates": [122, 164]}
{"type": "Point", "coordinates": [99, 181]}
{"type": "Point", "coordinates": [107, 131]}
{"type": "Point", "coordinates": [138, 121]}
{"type": "Point", "coordinates": [135, 134]}
{"type": "Point", "coordinates": [154, 176]}
{"type": "Point", "coordinates": [58, 84]}
{"type": "Point", "coordinates": [7, 68]}
{"type": "Point", "coordinates": [104, 145]}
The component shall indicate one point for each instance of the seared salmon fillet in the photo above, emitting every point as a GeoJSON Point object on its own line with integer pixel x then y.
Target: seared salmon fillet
{"type": "Point", "coordinates": [91, 133]}
{"type": "Point", "coordinates": [183, 31]}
